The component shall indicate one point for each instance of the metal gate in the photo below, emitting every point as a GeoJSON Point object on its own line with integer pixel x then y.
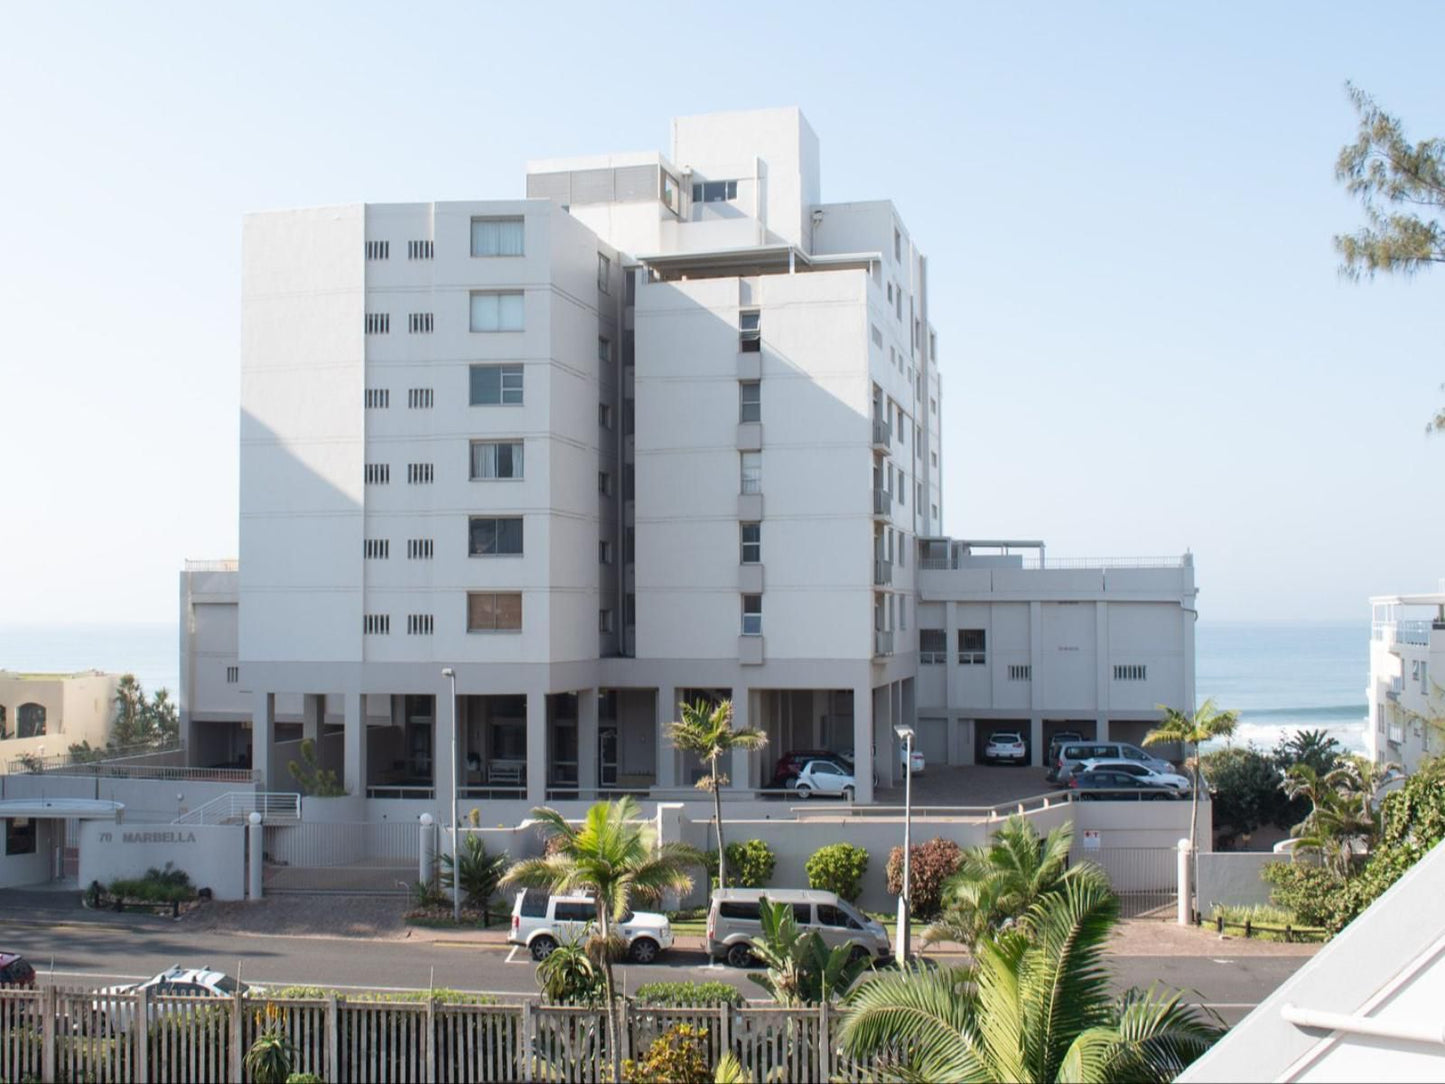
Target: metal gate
{"type": "Point", "coordinates": [1146, 879]}
{"type": "Point", "coordinates": [352, 857]}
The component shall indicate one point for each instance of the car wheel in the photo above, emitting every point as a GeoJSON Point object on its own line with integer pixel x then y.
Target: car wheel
{"type": "Point", "coordinates": [860, 953]}
{"type": "Point", "coordinates": [848, 794]}
{"type": "Point", "coordinates": [542, 947]}
{"type": "Point", "coordinates": [739, 955]}
{"type": "Point", "coordinates": [644, 950]}
{"type": "Point", "coordinates": [804, 791]}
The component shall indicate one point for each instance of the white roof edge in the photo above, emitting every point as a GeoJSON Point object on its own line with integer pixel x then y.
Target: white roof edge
{"type": "Point", "coordinates": [1433, 599]}
{"type": "Point", "coordinates": [86, 808]}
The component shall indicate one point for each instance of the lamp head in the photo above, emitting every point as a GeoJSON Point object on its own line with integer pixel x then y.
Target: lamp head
{"type": "Point", "coordinates": [448, 672]}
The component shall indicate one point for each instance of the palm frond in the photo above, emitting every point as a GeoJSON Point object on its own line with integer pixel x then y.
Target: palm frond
{"type": "Point", "coordinates": [925, 1015]}
{"type": "Point", "coordinates": [1158, 1035]}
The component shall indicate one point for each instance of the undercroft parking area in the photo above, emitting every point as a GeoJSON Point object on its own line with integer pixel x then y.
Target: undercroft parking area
{"type": "Point", "coordinates": [972, 784]}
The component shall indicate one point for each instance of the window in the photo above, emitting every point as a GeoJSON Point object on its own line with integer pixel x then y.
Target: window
{"type": "Point", "coordinates": [933, 458]}
{"type": "Point", "coordinates": [487, 612]}
{"type": "Point", "coordinates": [378, 323]}
{"type": "Point", "coordinates": [933, 346]}
{"type": "Point", "coordinates": [604, 552]}
{"type": "Point", "coordinates": [903, 612]}
{"type": "Point", "coordinates": [495, 536]}
{"type": "Point", "coordinates": [604, 273]}
{"type": "Point", "coordinates": [378, 250]}
{"type": "Point", "coordinates": [495, 311]}
{"type": "Point", "coordinates": [420, 398]}
{"type": "Point", "coordinates": [419, 474]}
{"type": "Point", "coordinates": [932, 647]}
{"type": "Point", "coordinates": [420, 250]}
{"type": "Point", "coordinates": [750, 401]}
{"type": "Point", "coordinates": [750, 331]}
{"type": "Point", "coordinates": [902, 547]}
{"type": "Point", "coordinates": [496, 385]}
{"type": "Point", "coordinates": [897, 244]}
{"type": "Point", "coordinates": [419, 624]}
{"type": "Point", "coordinates": [836, 917]}
{"type": "Point", "coordinates": [604, 415]}
{"type": "Point", "coordinates": [604, 350]}
{"type": "Point", "coordinates": [1131, 672]}
{"type": "Point", "coordinates": [740, 910]}
{"type": "Point", "coordinates": [604, 483]}
{"type": "Point", "coordinates": [419, 323]}
{"type": "Point", "coordinates": [19, 835]}
{"type": "Point", "coordinates": [604, 621]}
{"type": "Point", "coordinates": [378, 474]}
{"type": "Point", "coordinates": [1380, 718]}
{"type": "Point", "coordinates": [752, 615]}
{"type": "Point", "coordinates": [233, 675]}
{"type": "Point", "coordinates": [876, 335]}
{"type": "Point", "coordinates": [493, 459]}
{"type": "Point", "coordinates": [419, 549]}
{"type": "Point", "coordinates": [1023, 672]}
{"type": "Point", "coordinates": [497, 236]}
{"type": "Point", "coordinates": [890, 300]}
{"type": "Point", "coordinates": [752, 543]}
{"type": "Point", "coordinates": [933, 406]}
{"type": "Point", "coordinates": [378, 398]}
{"type": "Point", "coordinates": [714, 191]}
{"type": "Point", "coordinates": [972, 647]}
{"type": "Point", "coordinates": [752, 472]}
{"type": "Point", "coordinates": [376, 624]}
{"type": "Point", "coordinates": [378, 549]}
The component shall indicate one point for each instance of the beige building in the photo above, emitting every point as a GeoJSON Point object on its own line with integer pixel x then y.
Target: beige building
{"type": "Point", "coordinates": [45, 714]}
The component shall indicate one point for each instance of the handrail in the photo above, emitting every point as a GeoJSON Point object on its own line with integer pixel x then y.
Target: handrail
{"type": "Point", "coordinates": [35, 765]}
{"type": "Point", "coordinates": [1432, 1033]}
{"type": "Point", "coordinates": [234, 805]}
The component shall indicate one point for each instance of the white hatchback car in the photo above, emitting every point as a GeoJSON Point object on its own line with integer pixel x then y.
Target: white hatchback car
{"type": "Point", "coordinates": [1006, 746]}
{"type": "Point", "coordinates": [826, 778]}
{"type": "Point", "coordinates": [541, 922]}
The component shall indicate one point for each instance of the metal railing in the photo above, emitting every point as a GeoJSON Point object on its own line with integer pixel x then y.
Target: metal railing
{"type": "Point", "coordinates": [952, 563]}
{"type": "Point", "coordinates": [224, 564]}
{"type": "Point", "coordinates": [882, 502]}
{"type": "Point", "coordinates": [882, 573]}
{"type": "Point", "coordinates": [404, 791]}
{"type": "Point", "coordinates": [131, 754]}
{"type": "Point", "coordinates": [163, 773]}
{"type": "Point", "coordinates": [236, 806]}
{"type": "Point", "coordinates": [882, 433]}
{"type": "Point", "coordinates": [1403, 632]}
{"type": "Point", "coordinates": [1001, 810]}
{"type": "Point", "coordinates": [882, 642]}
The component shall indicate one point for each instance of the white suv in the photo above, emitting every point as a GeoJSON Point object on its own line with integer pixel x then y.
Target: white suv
{"type": "Point", "coordinates": [541, 922]}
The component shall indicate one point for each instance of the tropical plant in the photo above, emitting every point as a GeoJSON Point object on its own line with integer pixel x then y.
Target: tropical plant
{"type": "Point", "coordinates": [677, 1056]}
{"type": "Point", "coordinates": [268, 1061]}
{"type": "Point", "coordinates": [802, 970]}
{"type": "Point", "coordinates": [1000, 883]}
{"type": "Point", "coordinates": [706, 730]}
{"type": "Point", "coordinates": [82, 752]}
{"type": "Point", "coordinates": [312, 779]}
{"type": "Point", "coordinates": [730, 1071]}
{"type": "Point", "coordinates": [569, 976]}
{"type": "Point", "coordinates": [687, 995]}
{"type": "Point", "coordinates": [930, 865]}
{"type": "Point", "coordinates": [616, 858]}
{"type": "Point", "coordinates": [1344, 816]}
{"type": "Point", "coordinates": [425, 894]}
{"type": "Point", "coordinates": [481, 874]}
{"type": "Point", "coordinates": [838, 868]}
{"type": "Point", "coordinates": [1245, 786]}
{"type": "Point", "coordinates": [1313, 747]}
{"type": "Point", "coordinates": [1207, 723]}
{"type": "Point", "coordinates": [752, 863]}
{"type": "Point", "coordinates": [1033, 1007]}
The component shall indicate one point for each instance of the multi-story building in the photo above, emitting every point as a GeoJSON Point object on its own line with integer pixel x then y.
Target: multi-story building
{"type": "Point", "coordinates": [665, 430]}
{"type": "Point", "coordinates": [42, 715]}
{"type": "Point", "coordinates": [1407, 659]}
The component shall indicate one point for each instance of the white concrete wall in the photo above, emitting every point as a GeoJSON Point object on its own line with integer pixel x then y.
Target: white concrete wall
{"type": "Point", "coordinates": [213, 855]}
{"type": "Point", "coordinates": [145, 800]}
{"type": "Point", "coordinates": [21, 870]}
{"type": "Point", "coordinates": [1232, 879]}
{"type": "Point", "coordinates": [78, 707]}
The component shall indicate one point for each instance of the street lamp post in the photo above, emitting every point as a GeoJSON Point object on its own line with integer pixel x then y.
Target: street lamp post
{"type": "Point", "coordinates": [903, 937]}
{"type": "Point", "coordinates": [451, 675]}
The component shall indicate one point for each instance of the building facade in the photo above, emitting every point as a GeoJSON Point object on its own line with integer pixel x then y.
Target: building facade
{"type": "Point", "coordinates": [42, 715]}
{"type": "Point", "coordinates": [665, 430]}
{"type": "Point", "coordinates": [1407, 661]}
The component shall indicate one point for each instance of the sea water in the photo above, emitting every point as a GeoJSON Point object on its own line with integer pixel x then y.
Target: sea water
{"type": "Point", "coordinates": [1280, 676]}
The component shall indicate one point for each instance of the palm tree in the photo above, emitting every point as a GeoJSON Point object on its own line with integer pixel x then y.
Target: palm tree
{"type": "Point", "coordinates": [615, 857]}
{"type": "Point", "coordinates": [1002, 880]}
{"type": "Point", "coordinates": [802, 970]}
{"type": "Point", "coordinates": [1344, 811]}
{"type": "Point", "coordinates": [1033, 1007]}
{"type": "Point", "coordinates": [1207, 723]}
{"type": "Point", "coordinates": [707, 731]}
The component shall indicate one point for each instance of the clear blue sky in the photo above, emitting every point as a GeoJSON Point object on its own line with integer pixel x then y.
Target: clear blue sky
{"type": "Point", "coordinates": [1127, 207]}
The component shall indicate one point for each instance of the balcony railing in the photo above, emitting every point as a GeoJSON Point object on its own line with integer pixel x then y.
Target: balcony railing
{"type": "Point", "coordinates": [882, 573]}
{"type": "Point", "coordinates": [882, 434]}
{"type": "Point", "coordinates": [882, 642]}
{"type": "Point", "coordinates": [882, 502]}
{"type": "Point", "coordinates": [1403, 632]}
{"type": "Point", "coordinates": [227, 564]}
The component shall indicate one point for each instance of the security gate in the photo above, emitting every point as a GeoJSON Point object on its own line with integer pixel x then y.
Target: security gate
{"type": "Point", "coordinates": [1146, 879]}
{"type": "Point", "coordinates": [353, 857]}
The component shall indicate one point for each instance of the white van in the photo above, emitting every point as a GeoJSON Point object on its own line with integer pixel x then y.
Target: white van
{"type": "Point", "coordinates": [734, 919]}
{"type": "Point", "coordinates": [541, 922]}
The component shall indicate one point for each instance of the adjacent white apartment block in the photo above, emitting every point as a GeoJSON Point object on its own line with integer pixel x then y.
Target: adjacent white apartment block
{"type": "Point", "coordinates": [1407, 663]}
{"type": "Point", "coordinates": [667, 429]}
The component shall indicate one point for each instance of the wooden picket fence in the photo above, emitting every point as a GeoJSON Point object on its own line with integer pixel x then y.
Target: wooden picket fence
{"type": "Point", "coordinates": [69, 1035]}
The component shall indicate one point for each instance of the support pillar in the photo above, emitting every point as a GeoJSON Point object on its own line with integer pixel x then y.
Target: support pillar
{"type": "Point", "coordinates": [263, 735]}
{"type": "Point", "coordinates": [587, 780]}
{"type": "Point", "coordinates": [1185, 913]}
{"type": "Point", "coordinates": [863, 743]}
{"type": "Point", "coordinates": [255, 845]}
{"type": "Point", "coordinates": [354, 739]}
{"type": "Point", "coordinates": [740, 770]}
{"type": "Point", "coordinates": [537, 741]}
{"type": "Point", "coordinates": [446, 772]}
{"type": "Point", "coordinates": [666, 754]}
{"type": "Point", "coordinates": [426, 867]}
{"type": "Point", "coordinates": [313, 708]}
{"type": "Point", "coordinates": [1037, 751]}
{"type": "Point", "coordinates": [1101, 728]}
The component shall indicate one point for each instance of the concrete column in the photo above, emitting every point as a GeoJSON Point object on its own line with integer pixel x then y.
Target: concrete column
{"type": "Point", "coordinates": [665, 753]}
{"type": "Point", "coordinates": [740, 771]}
{"type": "Point", "coordinates": [1101, 728]}
{"type": "Point", "coordinates": [263, 732]}
{"type": "Point", "coordinates": [863, 742]}
{"type": "Point", "coordinates": [255, 847]}
{"type": "Point", "coordinates": [586, 741]}
{"type": "Point", "coordinates": [886, 754]}
{"type": "Point", "coordinates": [537, 747]}
{"type": "Point", "coordinates": [951, 670]}
{"type": "Point", "coordinates": [1037, 749]}
{"type": "Point", "coordinates": [1185, 912]}
{"type": "Point", "coordinates": [313, 708]}
{"type": "Point", "coordinates": [445, 772]}
{"type": "Point", "coordinates": [426, 866]}
{"type": "Point", "coordinates": [354, 740]}
{"type": "Point", "coordinates": [1037, 752]}
{"type": "Point", "coordinates": [1103, 661]}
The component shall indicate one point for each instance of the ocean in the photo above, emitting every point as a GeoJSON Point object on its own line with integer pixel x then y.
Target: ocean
{"type": "Point", "coordinates": [1280, 676]}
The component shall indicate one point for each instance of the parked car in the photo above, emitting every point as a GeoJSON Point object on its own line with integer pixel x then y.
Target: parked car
{"type": "Point", "coordinates": [1139, 771]}
{"type": "Point", "coordinates": [15, 970]}
{"type": "Point", "coordinates": [1060, 739]}
{"type": "Point", "coordinates": [791, 763]}
{"type": "Point", "coordinates": [1006, 746]}
{"type": "Point", "coordinates": [1071, 756]}
{"type": "Point", "coordinates": [824, 777]}
{"type": "Point", "coordinates": [918, 762]}
{"type": "Point", "coordinates": [542, 921]}
{"type": "Point", "coordinates": [734, 919]}
{"type": "Point", "coordinates": [1106, 780]}
{"type": "Point", "coordinates": [175, 982]}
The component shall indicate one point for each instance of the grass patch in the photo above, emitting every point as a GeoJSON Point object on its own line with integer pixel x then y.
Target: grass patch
{"type": "Point", "coordinates": [1264, 923]}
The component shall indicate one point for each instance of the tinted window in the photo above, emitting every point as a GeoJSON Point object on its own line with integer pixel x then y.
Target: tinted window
{"type": "Point", "coordinates": [803, 912]}
{"type": "Point", "coordinates": [534, 903]}
{"type": "Point", "coordinates": [747, 911]}
{"type": "Point", "coordinates": [828, 915]}
{"type": "Point", "coordinates": [1128, 752]}
{"type": "Point", "coordinates": [575, 912]}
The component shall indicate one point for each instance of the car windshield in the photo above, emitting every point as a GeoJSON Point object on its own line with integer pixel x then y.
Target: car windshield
{"type": "Point", "coordinates": [226, 984]}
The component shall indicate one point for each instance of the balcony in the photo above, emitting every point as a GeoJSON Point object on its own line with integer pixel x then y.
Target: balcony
{"type": "Point", "coordinates": [882, 573]}
{"type": "Point", "coordinates": [1396, 734]}
{"type": "Point", "coordinates": [882, 436]}
{"type": "Point", "coordinates": [882, 642]}
{"type": "Point", "coordinates": [882, 504]}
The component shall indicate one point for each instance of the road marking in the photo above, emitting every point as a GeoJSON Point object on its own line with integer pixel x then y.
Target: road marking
{"type": "Point", "coordinates": [511, 956]}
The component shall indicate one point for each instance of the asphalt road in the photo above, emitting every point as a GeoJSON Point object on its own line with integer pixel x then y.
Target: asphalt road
{"type": "Point", "coordinates": [80, 954]}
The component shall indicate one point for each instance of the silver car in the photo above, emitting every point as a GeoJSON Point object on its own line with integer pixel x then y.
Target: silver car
{"type": "Point", "coordinates": [541, 922]}
{"type": "Point", "coordinates": [734, 918]}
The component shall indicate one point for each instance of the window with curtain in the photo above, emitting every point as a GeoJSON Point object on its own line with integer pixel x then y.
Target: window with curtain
{"type": "Point", "coordinates": [497, 311]}
{"type": "Point", "coordinates": [496, 459]}
{"type": "Point", "coordinates": [497, 236]}
{"type": "Point", "coordinates": [489, 612]}
{"type": "Point", "coordinates": [496, 536]}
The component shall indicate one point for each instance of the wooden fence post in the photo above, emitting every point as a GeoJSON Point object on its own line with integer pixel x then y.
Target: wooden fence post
{"type": "Point", "coordinates": [235, 1056]}
{"type": "Point", "coordinates": [141, 1034]}
{"type": "Point", "coordinates": [724, 1029]}
{"type": "Point", "coordinates": [50, 1008]}
{"type": "Point", "coordinates": [431, 1042]}
{"type": "Point", "coordinates": [333, 1039]}
{"type": "Point", "coordinates": [527, 1035]}
{"type": "Point", "coordinates": [825, 1040]}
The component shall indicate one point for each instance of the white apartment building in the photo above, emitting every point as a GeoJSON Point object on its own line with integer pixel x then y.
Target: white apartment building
{"type": "Point", "coordinates": [666, 429]}
{"type": "Point", "coordinates": [1407, 661]}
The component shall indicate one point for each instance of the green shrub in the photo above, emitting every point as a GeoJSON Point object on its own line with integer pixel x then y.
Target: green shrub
{"type": "Point", "coordinates": [168, 885]}
{"type": "Point", "coordinates": [838, 867]}
{"type": "Point", "coordinates": [1316, 895]}
{"type": "Point", "coordinates": [1274, 920]}
{"type": "Point", "coordinates": [750, 864]}
{"type": "Point", "coordinates": [303, 1078]}
{"type": "Point", "coordinates": [684, 995]}
{"type": "Point", "coordinates": [931, 864]}
{"type": "Point", "coordinates": [320, 993]}
{"type": "Point", "coordinates": [677, 1056]}
{"type": "Point", "coordinates": [1245, 787]}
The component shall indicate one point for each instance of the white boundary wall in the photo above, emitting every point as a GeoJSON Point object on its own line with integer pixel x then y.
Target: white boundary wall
{"type": "Point", "coordinates": [213, 855]}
